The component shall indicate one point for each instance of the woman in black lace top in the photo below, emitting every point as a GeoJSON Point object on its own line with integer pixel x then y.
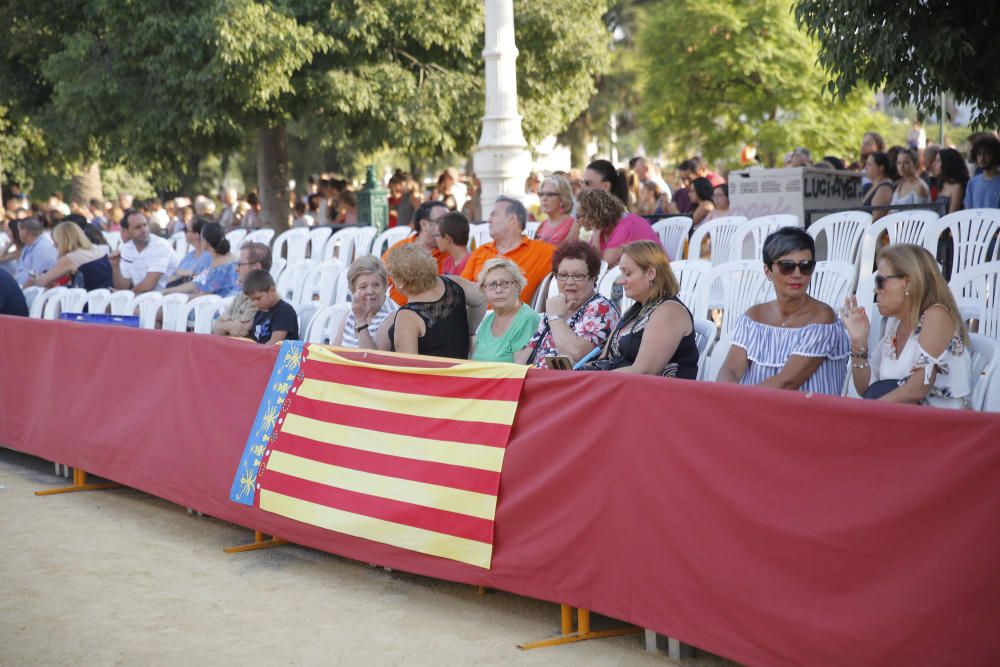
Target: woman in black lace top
{"type": "Point", "coordinates": [441, 313]}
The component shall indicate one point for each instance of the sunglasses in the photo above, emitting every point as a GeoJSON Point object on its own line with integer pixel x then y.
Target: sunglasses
{"type": "Point", "coordinates": [880, 280]}
{"type": "Point", "coordinates": [786, 267]}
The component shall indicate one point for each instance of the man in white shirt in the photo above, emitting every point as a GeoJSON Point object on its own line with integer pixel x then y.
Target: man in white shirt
{"type": "Point", "coordinates": [145, 261]}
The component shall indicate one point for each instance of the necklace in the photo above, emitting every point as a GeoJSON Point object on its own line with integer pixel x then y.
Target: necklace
{"type": "Point", "coordinates": [785, 320]}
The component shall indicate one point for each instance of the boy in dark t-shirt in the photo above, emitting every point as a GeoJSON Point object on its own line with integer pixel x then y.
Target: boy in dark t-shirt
{"type": "Point", "coordinates": [275, 320]}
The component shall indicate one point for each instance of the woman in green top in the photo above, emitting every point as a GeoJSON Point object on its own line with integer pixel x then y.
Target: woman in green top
{"type": "Point", "coordinates": [510, 324]}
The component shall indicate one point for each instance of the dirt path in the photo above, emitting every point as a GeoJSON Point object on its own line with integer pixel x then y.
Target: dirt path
{"type": "Point", "coordinates": [122, 578]}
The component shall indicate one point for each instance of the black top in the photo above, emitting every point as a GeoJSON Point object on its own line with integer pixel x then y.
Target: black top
{"type": "Point", "coordinates": [871, 191]}
{"type": "Point", "coordinates": [627, 338]}
{"type": "Point", "coordinates": [446, 321]}
{"type": "Point", "coordinates": [95, 274]}
{"type": "Point", "coordinates": [12, 300]}
{"type": "Point", "coordinates": [280, 318]}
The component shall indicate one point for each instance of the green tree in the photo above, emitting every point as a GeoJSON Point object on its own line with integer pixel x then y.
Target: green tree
{"type": "Point", "coordinates": [914, 50]}
{"type": "Point", "coordinates": [152, 84]}
{"type": "Point", "coordinates": [719, 75]}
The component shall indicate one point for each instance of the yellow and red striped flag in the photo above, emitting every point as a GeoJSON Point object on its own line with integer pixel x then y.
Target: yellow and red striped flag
{"type": "Point", "coordinates": [397, 449]}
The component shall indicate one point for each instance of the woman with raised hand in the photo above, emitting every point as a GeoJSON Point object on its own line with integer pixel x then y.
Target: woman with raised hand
{"type": "Point", "coordinates": [368, 282]}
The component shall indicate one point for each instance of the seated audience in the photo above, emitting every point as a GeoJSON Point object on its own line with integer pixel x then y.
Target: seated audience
{"type": "Point", "coordinates": [507, 221]}
{"type": "Point", "coordinates": [237, 318]}
{"type": "Point", "coordinates": [599, 211]}
{"type": "Point", "coordinates": [12, 301]}
{"type": "Point", "coordinates": [275, 319]}
{"type": "Point", "coordinates": [557, 203]}
{"type": "Point", "coordinates": [911, 189]}
{"type": "Point", "coordinates": [221, 277]}
{"type": "Point", "coordinates": [424, 224]}
{"type": "Point", "coordinates": [720, 203]}
{"type": "Point", "coordinates": [923, 357]}
{"type": "Point", "coordinates": [452, 240]}
{"type": "Point", "coordinates": [509, 324]}
{"type": "Point", "coordinates": [144, 261]}
{"type": "Point", "coordinates": [656, 335]}
{"type": "Point", "coordinates": [578, 319]}
{"type": "Point", "coordinates": [794, 341]}
{"type": "Point", "coordinates": [701, 198]}
{"type": "Point", "coordinates": [85, 263]}
{"type": "Point", "coordinates": [983, 190]}
{"type": "Point", "coordinates": [952, 175]}
{"type": "Point", "coordinates": [441, 313]}
{"type": "Point", "coordinates": [878, 169]}
{"type": "Point", "coordinates": [368, 280]}
{"type": "Point", "coordinates": [197, 260]}
{"type": "Point", "coordinates": [38, 253]}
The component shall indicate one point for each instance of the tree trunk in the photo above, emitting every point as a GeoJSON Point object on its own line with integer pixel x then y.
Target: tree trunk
{"type": "Point", "coordinates": [86, 184]}
{"type": "Point", "coordinates": [272, 176]}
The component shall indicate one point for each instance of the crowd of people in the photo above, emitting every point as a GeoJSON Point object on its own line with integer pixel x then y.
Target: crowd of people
{"type": "Point", "coordinates": [434, 293]}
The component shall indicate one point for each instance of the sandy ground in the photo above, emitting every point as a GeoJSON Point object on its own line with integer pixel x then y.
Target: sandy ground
{"type": "Point", "coordinates": [123, 578]}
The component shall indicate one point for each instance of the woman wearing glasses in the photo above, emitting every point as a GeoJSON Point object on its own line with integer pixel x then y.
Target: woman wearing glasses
{"type": "Point", "coordinates": [576, 320]}
{"type": "Point", "coordinates": [795, 341]}
{"type": "Point", "coordinates": [556, 201]}
{"type": "Point", "coordinates": [923, 356]}
{"type": "Point", "coordinates": [510, 323]}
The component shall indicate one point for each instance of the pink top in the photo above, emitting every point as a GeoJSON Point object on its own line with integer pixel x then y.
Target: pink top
{"type": "Point", "coordinates": [630, 228]}
{"type": "Point", "coordinates": [449, 268]}
{"type": "Point", "coordinates": [554, 234]}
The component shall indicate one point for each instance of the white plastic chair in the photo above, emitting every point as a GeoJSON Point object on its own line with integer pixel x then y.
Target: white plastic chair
{"type": "Point", "coordinates": [689, 273]}
{"type": "Point", "coordinates": [838, 236]}
{"type": "Point", "coordinates": [363, 239]}
{"type": "Point", "coordinates": [972, 233]}
{"type": "Point", "coordinates": [726, 235]}
{"type": "Point", "coordinates": [180, 244]}
{"type": "Point", "coordinates": [341, 246]}
{"type": "Point", "coordinates": [389, 238]}
{"type": "Point", "coordinates": [717, 358]}
{"type": "Point", "coordinates": [98, 301]}
{"type": "Point", "coordinates": [318, 236]}
{"type": "Point", "coordinates": [531, 229]}
{"type": "Point", "coordinates": [305, 312]}
{"type": "Point", "coordinates": [291, 282]}
{"type": "Point", "coordinates": [985, 360]}
{"type": "Point", "coordinates": [742, 284]}
{"type": "Point", "coordinates": [673, 232]}
{"type": "Point", "coordinates": [479, 235]}
{"type": "Point", "coordinates": [114, 240]}
{"type": "Point", "coordinates": [292, 245]}
{"type": "Point", "coordinates": [258, 236]}
{"type": "Point", "coordinates": [171, 307]}
{"type": "Point", "coordinates": [40, 303]}
{"type": "Point", "coordinates": [120, 302]}
{"type": "Point", "coordinates": [235, 237]}
{"type": "Point", "coordinates": [757, 230]}
{"type": "Point", "coordinates": [147, 304]}
{"type": "Point", "coordinates": [320, 283]}
{"type": "Point", "coordinates": [831, 283]}
{"type": "Point", "coordinates": [342, 290]}
{"type": "Point", "coordinates": [607, 281]}
{"type": "Point", "coordinates": [203, 308]}
{"type": "Point", "coordinates": [72, 300]}
{"type": "Point", "coordinates": [704, 337]}
{"type": "Point", "coordinates": [326, 322]}
{"type": "Point", "coordinates": [541, 294]}
{"type": "Point", "coordinates": [277, 267]}
{"type": "Point", "coordinates": [902, 227]}
{"type": "Point", "coordinates": [977, 292]}
{"type": "Point", "coordinates": [32, 293]}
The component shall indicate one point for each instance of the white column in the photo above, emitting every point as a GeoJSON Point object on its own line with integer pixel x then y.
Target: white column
{"type": "Point", "coordinates": [502, 161]}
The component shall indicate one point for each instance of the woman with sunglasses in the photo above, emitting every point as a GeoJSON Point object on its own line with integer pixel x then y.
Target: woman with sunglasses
{"type": "Point", "coordinates": [510, 323]}
{"type": "Point", "coordinates": [923, 356]}
{"type": "Point", "coordinates": [577, 319]}
{"type": "Point", "coordinates": [795, 341]}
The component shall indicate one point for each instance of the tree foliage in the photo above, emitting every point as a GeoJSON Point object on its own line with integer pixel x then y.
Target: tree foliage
{"type": "Point", "coordinates": [718, 75]}
{"type": "Point", "coordinates": [915, 50]}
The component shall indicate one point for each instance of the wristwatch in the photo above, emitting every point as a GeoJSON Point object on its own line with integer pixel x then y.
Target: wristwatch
{"type": "Point", "coordinates": [553, 318]}
{"type": "Point", "coordinates": [361, 328]}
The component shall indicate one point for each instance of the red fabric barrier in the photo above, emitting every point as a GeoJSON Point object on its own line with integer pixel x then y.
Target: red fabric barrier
{"type": "Point", "coordinates": [769, 527]}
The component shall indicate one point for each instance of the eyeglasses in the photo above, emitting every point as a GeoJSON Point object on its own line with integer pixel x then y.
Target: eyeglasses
{"type": "Point", "coordinates": [495, 285]}
{"type": "Point", "coordinates": [880, 280]}
{"type": "Point", "coordinates": [573, 277]}
{"type": "Point", "coordinates": [786, 267]}
{"type": "Point", "coordinates": [548, 194]}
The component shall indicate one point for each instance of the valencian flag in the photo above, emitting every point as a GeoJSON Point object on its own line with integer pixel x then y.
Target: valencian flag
{"type": "Point", "coordinates": [398, 449]}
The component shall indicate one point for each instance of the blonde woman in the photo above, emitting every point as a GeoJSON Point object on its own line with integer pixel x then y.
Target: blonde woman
{"type": "Point", "coordinates": [556, 201]}
{"type": "Point", "coordinates": [508, 327]}
{"type": "Point", "coordinates": [923, 357]}
{"type": "Point", "coordinates": [85, 262]}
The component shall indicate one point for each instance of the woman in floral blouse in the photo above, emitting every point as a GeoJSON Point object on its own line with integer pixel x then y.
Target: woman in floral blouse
{"type": "Point", "coordinates": [578, 319]}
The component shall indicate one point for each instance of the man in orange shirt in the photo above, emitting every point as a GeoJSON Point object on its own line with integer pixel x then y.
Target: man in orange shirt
{"type": "Point", "coordinates": [424, 223]}
{"type": "Point", "coordinates": [507, 222]}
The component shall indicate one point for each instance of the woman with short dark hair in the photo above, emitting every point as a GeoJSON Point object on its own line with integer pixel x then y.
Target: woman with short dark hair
{"type": "Point", "coordinates": [794, 341]}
